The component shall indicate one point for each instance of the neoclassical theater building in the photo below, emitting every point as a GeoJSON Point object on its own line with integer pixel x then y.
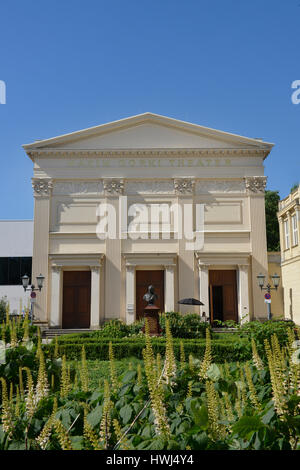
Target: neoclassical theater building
{"type": "Point", "coordinates": [147, 161]}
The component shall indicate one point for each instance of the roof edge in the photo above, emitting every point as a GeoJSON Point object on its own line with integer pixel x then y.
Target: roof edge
{"type": "Point", "coordinates": [145, 117]}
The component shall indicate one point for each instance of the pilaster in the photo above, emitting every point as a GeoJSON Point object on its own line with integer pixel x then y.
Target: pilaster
{"type": "Point", "coordinates": [204, 288]}
{"type": "Point", "coordinates": [95, 297]}
{"type": "Point", "coordinates": [169, 288]}
{"type": "Point", "coordinates": [56, 297]}
{"type": "Point", "coordinates": [42, 188]}
{"type": "Point", "coordinates": [130, 294]}
{"type": "Point", "coordinates": [243, 290]}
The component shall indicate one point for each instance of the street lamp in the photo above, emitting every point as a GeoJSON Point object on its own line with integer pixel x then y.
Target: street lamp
{"type": "Point", "coordinates": [32, 288]}
{"type": "Point", "coordinates": [261, 281]}
{"type": "Point", "coordinates": [39, 280]}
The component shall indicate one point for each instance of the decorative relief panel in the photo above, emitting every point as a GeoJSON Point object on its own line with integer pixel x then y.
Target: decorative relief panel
{"type": "Point", "coordinates": [256, 184]}
{"type": "Point", "coordinates": [222, 186]}
{"type": "Point", "coordinates": [42, 186]}
{"type": "Point", "coordinates": [82, 187]}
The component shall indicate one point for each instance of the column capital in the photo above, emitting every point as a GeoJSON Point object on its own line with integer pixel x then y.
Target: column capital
{"type": "Point", "coordinates": [184, 185]}
{"type": "Point", "coordinates": [42, 187]}
{"type": "Point", "coordinates": [113, 186]}
{"type": "Point", "coordinates": [243, 267]}
{"type": "Point", "coordinates": [203, 266]}
{"type": "Point", "coordinates": [95, 268]}
{"type": "Point", "coordinates": [56, 269]}
{"type": "Point", "coordinates": [169, 267]}
{"type": "Point", "coordinates": [130, 267]}
{"type": "Point", "coordinates": [280, 219]}
{"type": "Point", "coordinates": [255, 184]}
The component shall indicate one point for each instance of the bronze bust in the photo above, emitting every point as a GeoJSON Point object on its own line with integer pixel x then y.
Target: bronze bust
{"type": "Point", "coordinates": [150, 296]}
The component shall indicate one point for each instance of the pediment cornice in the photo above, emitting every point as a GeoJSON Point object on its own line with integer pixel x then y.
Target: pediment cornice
{"type": "Point", "coordinates": [67, 153]}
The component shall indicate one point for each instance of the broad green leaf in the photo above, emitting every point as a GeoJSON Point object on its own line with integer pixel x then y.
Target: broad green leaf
{"type": "Point", "coordinates": [268, 416]}
{"type": "Point", "coordinates": [129, 376]}
{"type": "Point", "coordinates": [17, 445]}
{"type": "Point", "coordinates": [199, 414]}
{"type": "Point", "coordinates": [146, 433]}
{"type": "Point", "coordinates": [29, 345]}
{"type": "Point", "coordinates": [95, 396]}
{"type": "Point", "coordinates": [126, 413]}
{"type": "Point", "coordinates": [125, 389]}
{"type": "Point", "coordinates": [247, 425]}
{"type": "Point", "coordinates": [213, 373]}
{"type": "Point", "coordinates": [77, 442]}
{"type": "Point", "coordinates": [94, 417]}
{"type": "Point", "coordinates": [200, 441]}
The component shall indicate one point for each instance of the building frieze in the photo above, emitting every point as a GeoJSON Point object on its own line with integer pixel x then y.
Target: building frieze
{"type": "Point", "coordinates": [82, 187]}
{"type": "Point", "coordinates": [172, 186]}
{"type": "Point", "coordinates": [149, 187]}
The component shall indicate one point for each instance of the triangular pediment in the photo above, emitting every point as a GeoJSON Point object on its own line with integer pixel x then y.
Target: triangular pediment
{"type": "Point", "coordinates": [148, 131]}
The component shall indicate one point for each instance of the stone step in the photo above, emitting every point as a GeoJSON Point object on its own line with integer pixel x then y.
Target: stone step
{"type": "Point", "coordinates": [52, 332]}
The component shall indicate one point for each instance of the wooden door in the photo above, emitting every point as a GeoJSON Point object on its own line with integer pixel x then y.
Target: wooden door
{"type": "Point", "coordinates": [223, 295]}
{"type": "Point", "coordinates": [143, 280]}
{"type": "Point", "coordinates": [76, 299]}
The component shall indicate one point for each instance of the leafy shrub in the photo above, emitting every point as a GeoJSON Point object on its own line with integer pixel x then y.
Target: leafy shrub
{"type": "Point", "coordinates": [184, 326]}
{"type": "Point", "coordinates": [5, 331]}
{"type": "Point", "coordinates": [261, 331]}
{"type": "Point", "coordinates": [25, 356]}
{"type": "Point", "coordinates": [113, 329]}
{"type": "Point", "coordinates": [3, 303]}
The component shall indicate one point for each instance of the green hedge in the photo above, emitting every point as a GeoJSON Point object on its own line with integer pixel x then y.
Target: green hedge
{"type": "Point", "coordinates": [98, 350]}
{"type": "Point", "coordinates": [80, 339]}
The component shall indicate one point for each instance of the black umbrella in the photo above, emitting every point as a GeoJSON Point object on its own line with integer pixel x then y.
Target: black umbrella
{"type": "Point", "coordinates": [190, 301]}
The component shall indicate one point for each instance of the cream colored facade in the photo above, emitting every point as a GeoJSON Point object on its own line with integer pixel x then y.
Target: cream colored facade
{"type": "Point", "coordinates": [274, 267]}
{"type": "Point", "coordinates": [150, 159]}
{"type": "Point", "coordinates": [289, 225]}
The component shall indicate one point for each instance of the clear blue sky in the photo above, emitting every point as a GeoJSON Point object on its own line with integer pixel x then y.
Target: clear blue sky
{"type": "Point", "coordinates": [71, 64]}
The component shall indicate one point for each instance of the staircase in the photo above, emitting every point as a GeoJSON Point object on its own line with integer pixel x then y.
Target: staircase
{"type": "Point", "coordinates": [50, 333]}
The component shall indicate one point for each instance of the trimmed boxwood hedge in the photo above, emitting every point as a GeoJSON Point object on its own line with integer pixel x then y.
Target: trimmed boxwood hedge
{"type": "Point", "coordinates": [127, 347]}
{"type": "Point", "coordinates": [68, 339]}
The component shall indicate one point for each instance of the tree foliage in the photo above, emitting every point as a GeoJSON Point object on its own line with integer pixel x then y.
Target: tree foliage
{"type": "Point", "coordinates": [271, 203]}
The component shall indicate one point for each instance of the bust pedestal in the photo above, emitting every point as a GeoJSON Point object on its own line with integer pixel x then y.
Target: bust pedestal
{"type": "Point", "coordinates": [151, 315]}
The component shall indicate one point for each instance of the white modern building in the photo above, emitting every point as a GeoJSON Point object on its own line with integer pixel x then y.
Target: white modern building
{"type": "Point", "coordinates": [16, 247]}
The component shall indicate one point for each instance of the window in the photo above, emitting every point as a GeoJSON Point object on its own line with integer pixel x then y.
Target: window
{"type": "Point", "coordinates": [295, 229]}
{"type": "Point", "coordinates": [287, 234]}
{"type": "Point", "coordinates": [12, 269]}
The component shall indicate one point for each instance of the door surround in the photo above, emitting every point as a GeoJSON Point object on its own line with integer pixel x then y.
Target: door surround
{"type": "Point", "coordinates": [76, 309]}
{"type": "Point", "coordinates": [74, 262]}
{"type": "Point", "coordinates": [241, 262]}
{"type": "Point", "coordinates": [223, 294]}
{"type": "Point", "coordinates": [147, 262]}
